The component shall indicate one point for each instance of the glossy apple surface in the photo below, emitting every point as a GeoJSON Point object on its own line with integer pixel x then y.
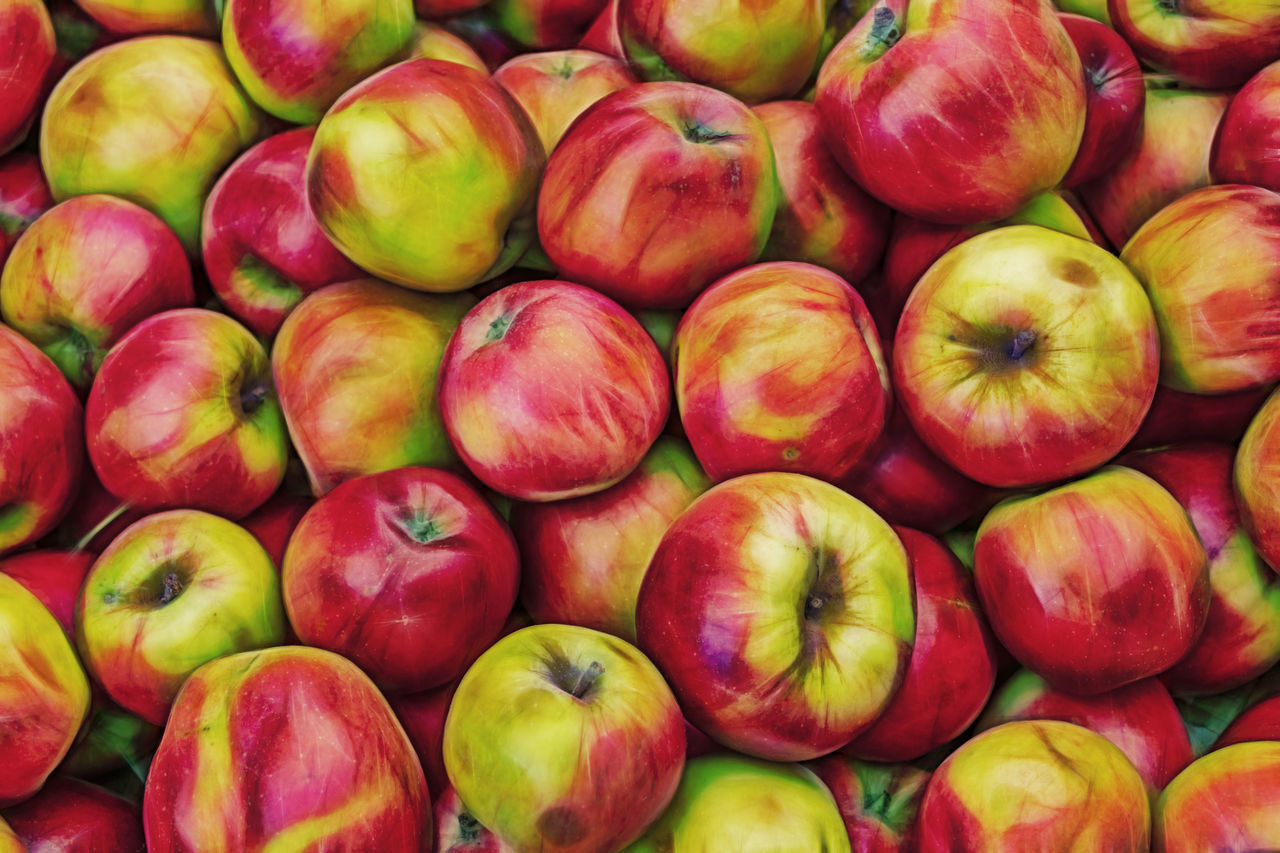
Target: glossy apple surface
{"type": "Point", "coordinates": [1257, 480]}
{"type": "Point", "coordinates": [27, 48]}
{"type": "Point", "coordinates": [73, 815]}
{"type": "Point", "coordinates": [1245, 150]}
{"type": "Point", "coordinates": [1114, 97]}
{"type": "Point", "coordinates": [24, 196]}
{"type": "Point", "coordinates": [1223, 801]}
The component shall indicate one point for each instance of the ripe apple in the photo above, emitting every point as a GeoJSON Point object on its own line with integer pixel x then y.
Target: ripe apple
{"type": "Point", "coordinates": [1094, 584]}
{"type": "Point", "coordinates": [779, 608]}
{"type": "Point", "coordinates": [1179, 417]}
{"type": "Point", "coordinates": [1095, 9]}
{"type": "Point", "coordinates": [71, 814]}
{"type": "Point", "coordinates": [1114, 97]}
{"type": "Point", "coordinates": [1224, 801]}
{"type": "Point", "coordinates": [656, 191]}
{"type": "Point", "coordinates": [1025, 356]}
{"type": "Point", "coordinates": [562, 737]}
{"type": "Point", "coordinates": [1258, 722]}
{"type": "Point", "coordinates": [176, 589]}
{"type": "Point", "coordinates": [85, 273]}
{"type": "Point", "coordinates": [273, 523]}
{"type": "Point", "coordinates": [432, 9]}
{"type": "Point", "coordinates": [544, 24]}
{"type": "Point", "coordinates": [602, 36]}
{"type": "Point", "coordinates": [879, 802]}
{"type": "Point", "coordinates": [53, 576]}
{"type": "Point", "coordinates": [27, 48]}
{"type": "Point", "coordinates": [1257, 480]}
{"type": "Point", "coordinates": [131, 18]}
{"type": "Point", "coordinates": [457, 830]}
{"type": "Point", "coordinates": [1245, 148]}
{"type": "Point", "coordinates": [433, 41]}
{"type": "Point", "coordinates": [286, 747]}
{"type": "Point", "coordinates": [24, 196]}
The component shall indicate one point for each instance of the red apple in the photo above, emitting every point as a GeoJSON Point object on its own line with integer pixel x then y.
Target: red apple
{"type": "Point", "coordinates": [1246, 149]}
{"type": "Point", "coordinates": [1114, 97]}
{"type": "Point", "coordinates": [544, 24]}
{"type": "Point", "coordinates": [1177, 417]}
{"type": "Point", "coordinates": [55, 577]}
{"type": "Point", "coordinates": [879, 802]}
{"type": "Point", "coordinates": [129, 18]}
{"type": "Point", "coordinates": [1258, 722]}
{"type": "Point", "coordinates": [24, 195]}
{"type": "Point", "coordinates": [434, 41]}
{"type": "Point", "coordinates": [1224, 801]}
{"type": "Point", "coordinates": [602, 36]}
{"type": "Point", "coordinates": [1257, 480]}
{"type": "Point", "coordinates": [273, 523]}
{"type": "Point", "coordinates": [27, 47]}
{"type": "Point", "coordinates": [74, 815]}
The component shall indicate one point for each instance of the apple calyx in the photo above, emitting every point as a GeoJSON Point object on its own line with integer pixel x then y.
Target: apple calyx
{"type": "Point", "coordinates": [420, 528]}
{"type": "Point", "coordinates": [498, 328]}
{"type": "Point", "coordinates": [469, 829]}
{"type": "Point", "coordinates": [1021, 343]}
{"type": "Point", "coordinates": [265, 278]}
{"type": "Point", "coordinates": [253, 394]}
{"type": "Point", "coordinates": [699, 134]}
{"type": "Point", "coordinates": [1170, 7]}
{"type": "Point", "coordinates": [166, 583]}
{"type": "Point", "coordinates": [884, 34]}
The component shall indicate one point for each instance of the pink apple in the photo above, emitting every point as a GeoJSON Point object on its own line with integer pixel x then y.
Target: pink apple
{"type": "Point", "coordinates": [1114, 97]}
{"type": "Point", "coordinates": [71, 814]}
{"type": "Point", "coordinates": [879, 802]}
{"type": "Point", "coordinates": [24, 195]}
{"type": "Point", "coordinates": [1245, 148]}
{"type": "Point", "coordinates": [27, 47]}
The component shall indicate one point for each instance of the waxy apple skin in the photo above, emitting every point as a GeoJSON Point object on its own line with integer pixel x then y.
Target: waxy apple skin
{"type": "Point", "coordinates": [1025, 356]}
{"type": "Point", "coordinates": [73, 815]}
{"type": "Point", "coordinates": [954, 111]}
{"type": "Point", "coordinates": [544, 24]}
{"type": "Point", "coordinates": [564, 738]}
{"type": "Point", "coordinates": [433, 41]}
{"type": "Point", "coordinates": [778, 367]}
{"type": "Point", "coordinates": [779, 608]}
{"type": "Point", "coordinates": [290, 746]}
{"type": "Point", "coordinates": [1114, 97]}
{"type": "Point", "coordinates": [1094, 584]}
{"type": "Point", "coordinates": [54, 577]}
{"type": "Point", "coordinates": [1256, 476]}
{"type": "Point", "coordinates": [44, 694]}
{"type": "Point", "coordinates": [85, 273]}
{"type": "Point", "coordinates": [1180, 417]}
{"type": "Point", "coordinates": [550, 390]}
{"type": "Point", "coordinates": [1224, 801]}
{"type": "Point", "coordinates": [408, 573]}
{"type": "Point", "coordinates": [431, 217]}
{"type": "Point", "coordinates": [24, 196]}
{"type": "Point", "coordinates": [263, 250]}
{"type": "Point", "coordinates": [1246, 149]}
{"type": "Point", "coordinates": [879, 802]}
{"type": "Point", "coordinates": [27, 48]}
{"type": "Point", "coordinates": [132, 18]}
{"type": "Point", "coordinates": [176, 116]}
{"type": "Point", "coordinates": [1036, 785]}
{"type": "Point", "coordinates": [656, 191]}
{"type": "Point", "coordinates": [173, 591]}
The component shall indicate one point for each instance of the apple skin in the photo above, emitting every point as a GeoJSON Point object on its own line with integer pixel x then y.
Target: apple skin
{"type": "Point", "coordinates": [1140, 718]}
{"type": "Point", "coordinates": [45, 696]}
{"type": "Point", "coordinates": [9, 842]}
{"type": "Point", "coordinates": [41, 442]}
{"type": "Point", "coordinates": [555, 87]}
{"type": "Point", "coordinates": [1036, 785]}
{"type": "Point", "coordinates": [1245, 148]}
{"type": "Point", "coordinates": [732, 802]}
{"type": "Point", "coordinates": [656, 191]}
{"type": "Point", "coordinates": [879, 802]}
{"type": "Point", "coordinates": [1095, 9]}
{"type": "Point", "coordinates": [130, 18]}
{"type": "Point", "coordinates": [1224, 801]}
{"type": "Point", "coordinates": [24, 196]}
{"type": "Point", "coordinates": [779, 608]}
{"type": "Point", "coordinates": [921, 109]}
{"type": "Point", "coordinates": [1258, 722]}
{"type": "Point", "coordinates": [175, 590]}
{"type": "Point", "coordinates": [433, 41]}
{"type": "Point", "coordinates": [292, 746]}
{"type": "Point", "coordinates": [27, 49]}
{"type": "Point", "coordinates": [114, 739]}
{"type": "Point", "coordinates": [1241, 637]}
{"type": "Point", "coordinates": [823, 217]}
{"type": "Point", "coordinates": [584, 558]}
{"type": "Point", "coordinates": [1209, 263]}
{"type": "Point", "coordinates": [53, 576]}
{"type": "Point", "coordinates": [544, 24]}
{"type": "Point", "coordinates": [426, 216]}
{"type": "Point", "coordinates": [1206, 45]}
{"type": "Point", "coordinates": [457, 831]}
{"type": "Point", "coordinates": [273, 523]}
{"type": "Point", "coordinates": [1170, 159]}
{"type": "Point", "coordinates": [95, 518]}
{"type": "Point", "coordinates": [1256, 476]}
{"type": "Point", "coordinates": [550, 390]}
{"type": "Point", "coordinates": [182, 414]}
{"type": "Point", "coordinates": [85, 273]}
{"type": "Point", "coordinates": [1094, 584]}
{"type": "Point", "coordinates": [263, 250]}
{"type": "Point", "coordinates": [1025, 356]}
{"type": "Point", "coordinates": [754, 51]}
{"type": "Point", "coordinates": [295, 62]}
{"type": "Point", "coordinates": [778, 367]}
{"type": "Point", "coordinates": [603, 36]}
{"type": "Point", "coordinates": [409, 573]}
{"type": "Point", "coordinates": [953, 661]}
{"type": "Point", "coordinates": [433, 9]}
{"type": "Point", "coordinates": [1114, 97]}
{"type": "Point", "coordinates": [1179, 417]}
{"type": "Point", "coordinates": [176, 116]}
{"type": "Point", "coordinates": [71, 814]}
{"type": "Point", "coordinates": [564, 738]}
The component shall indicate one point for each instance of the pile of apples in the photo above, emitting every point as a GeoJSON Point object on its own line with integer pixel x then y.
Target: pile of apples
{"type": "Point", "coordinates": [645, 425]}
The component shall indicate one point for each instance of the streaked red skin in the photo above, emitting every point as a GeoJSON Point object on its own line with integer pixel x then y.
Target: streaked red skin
{"type": "Point", "coordinates": [1200, 477]}
{"type": "Point", "coordinates": [41, 438]}
{"type": "Point", "coordinates": [546, 24]}
{"type": "Point", "coordinates": [1177, 417]}
{"type": "Point", "coordinates": [73, 815]}
{"type": "Point", "coordinates": [686, 213]}
{"type": "Point", "coordinates": [1114, 96]}
{"type": "Point", "coordinates": [158, 370]}
{"type": "Point", "coordinates": [27, 48]}
{"type": "Point", "coordinates": [54, 577]}
{"type": "Point", "coordinates": [1211, 56]}
{"type": "Point", "coordinates": [257, 213]}
{"type": "Point", "coordinates": [1260, 722]}
{"type": "Point", "coordinates": [881, 820]}
{"type": "Point", "coordinates": [823, 217]}
{"type": "Point", "coordinates": [478, 29]}
{"type": "Point", "coordinates": [1255, 480]}
{"type": "Point", "coordinates": [411, 611]}
{"type": "Point", "coordinates": [564, 404]}
{"type": "Point", "coordinates": [953, 662]}
{"type": "Point", "coordinates": [1224, 803]}
{"type": "Point", "coordinates": [603, 36]}
{"type": "Point", "coordinates": [307, 731]}
{"type": "Point", "coordinates": [1246, 149]}
{"type": "Point", "coordinates": [458, 832]}
{"type": "Point", "coordinates": [24, 195]}
{"type": "Point", "coordinates": [273, 523]}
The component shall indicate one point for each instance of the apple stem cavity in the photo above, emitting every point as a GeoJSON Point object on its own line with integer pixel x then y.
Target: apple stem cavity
{"type": "Point", "coordinates": [252, 395]}
{"type": "Point", "coordinates": [421, 528]}
{"type": "Point", "coordinates": [1021, 343]}
{"type": "Point", "coordinates": [586, 680]}
{"type": "Point", "coordinates": [172, 588]}
{"type": "Point", "coordinates": [1170, 7]}
{"type": "Point", "coordinates": [469, 829]}
{"type": "Point", "coordinates": [884, 34]}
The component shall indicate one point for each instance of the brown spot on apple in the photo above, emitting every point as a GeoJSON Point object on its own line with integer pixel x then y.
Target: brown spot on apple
{"type": "Point", "coordinates": [1077, 272]}
{"type": "Point", "coordinates": [562, 826]}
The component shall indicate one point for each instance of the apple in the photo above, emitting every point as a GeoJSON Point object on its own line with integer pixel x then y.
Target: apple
{"type": "Point", "coordinates": [114, 740]}
{"type": "Point", "coordinates": [153, 120]}
{"type": "Point", "coordinates": [182, 413]}
{"type": "Point", "coordinates": [1224, 801]}
{"type": "Point", "coordinates": [1094, 584]}
{"type": "Point", "coordinates": [823, 217]}
{"type": "Point", "coordinates": [1256, 475]}
{"type": "Point", "coordinates": [9, 842]}
{"type": "Point", "coordinates": [602, 36]}
{"type": "Point", "coordinates": [95, 518]}
{"type": "Point", "coordinates": [656, 191]}
{"type": "Point", "coordinates": [130, 18]}
{"type": "Point", "coordinates": [262, 248]}
{"type": "Point", "coordinates": [779, 608]}
{"type": "Point", "coordinates": [1114, 97]}
{"type": "Point", "coordinates": [402, 204]}
{"type": "Point", "coordinates": [71, 814]}
{"type": "Point", "coordinates": [544, 24]}
{"type": "Point", "coordinates": [433, 9]}
{"type": "Point", "coordinates": [1244, 150]}
{"type": "Point", "coordinates": [175, 590]}
{"type": "Point", "coordinates": [457, 830]}
{"type": "Point", "coordinates": [24, 196]}
{"type": "Point", "coordinates": [1177, 417]}
{"type": "Point", "coordinates": [27, 48]}
{"type": "Point", "coordinates": [1095, 9]}
{"type": "Point", "coordinates": [294, 60]}
{"type": "Point", "coordinates": [287, 747]}
{"type": "Point", "coordinates": [433, 41]}
{"type": "Point", "coordinates": [1258, 722]}
{"type": "Point", "coordinates": [755, 52]}
{"type": "Point", "coordinates": [1042, 784]}
{"type": "Point", "coordinates": [550, 390]}
{"type": "Point", "coordinates": [1025, 356]}
{"type": "Point", "coordinates": [954, 111]}
{"type": "Point", "coordinates": [85, 273]}
{"type": "Point", "coordinates": [54, 577]}
{"type": "Point", "coordinates": [879, 802]}
{"type": "Point", "coordinates": [273, 523]}
{"type": "Point", "coordinates": [562, 737]}
{"type": "Point", "coordinates": [732, 802]}
{"type": "Point", "coordinates": [41, 442]}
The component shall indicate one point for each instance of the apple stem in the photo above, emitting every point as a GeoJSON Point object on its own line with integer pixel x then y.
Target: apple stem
{"type": "Point", "coordinates": [1170, 7]}
{"type": "Point", "coordinates": [110, 517]}
{"type": "Point", "coordinates": [173, 587]}
{"type": "Point", "coordinates": [1021, 342]}
{"type": "Point", "coordinates": [586, 679]}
